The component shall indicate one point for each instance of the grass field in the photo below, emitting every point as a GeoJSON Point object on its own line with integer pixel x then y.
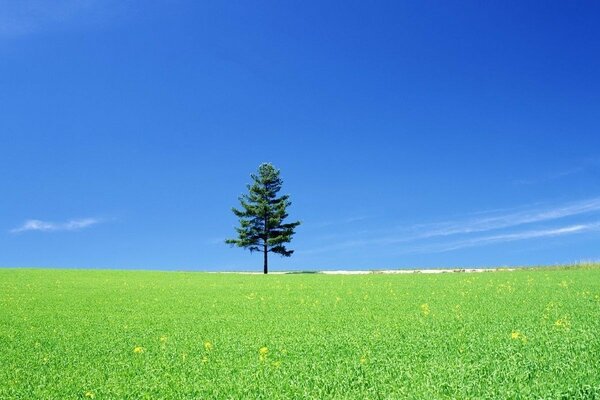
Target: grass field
{"type": "Point", "coordinates": [67, 334]}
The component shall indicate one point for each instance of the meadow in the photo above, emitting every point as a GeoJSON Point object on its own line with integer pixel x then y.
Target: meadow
{"type": "Point", "coordinates": [77, 334]}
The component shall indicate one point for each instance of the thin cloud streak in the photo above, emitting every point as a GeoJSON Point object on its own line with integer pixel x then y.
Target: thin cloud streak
{"type": "Point", "coordinates": [470, 226]}
{"type": "Point", "coordinates": [586, 165]}
{"type": "Point", "coordinates": [509, 237]}
{"type": "Point", "coordinates": [558, 175]}
{"type": "Point", "coordinates": [512, 219]}
{"type": "Point", "coordinates": [46, 226]}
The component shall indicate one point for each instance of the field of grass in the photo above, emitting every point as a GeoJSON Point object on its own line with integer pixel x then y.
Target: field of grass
{"type": "Point", "coordinates": [68, 334]}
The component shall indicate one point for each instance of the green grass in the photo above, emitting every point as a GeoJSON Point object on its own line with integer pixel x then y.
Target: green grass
{"type": "Point", "coordinates": [68, 334]}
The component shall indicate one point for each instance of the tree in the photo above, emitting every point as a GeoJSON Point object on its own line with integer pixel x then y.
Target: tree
{"type": "Point", "coordinates": [262, 216]}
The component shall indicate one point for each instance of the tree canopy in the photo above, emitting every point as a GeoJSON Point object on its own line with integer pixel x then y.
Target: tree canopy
{"type": "Point", "coordinates": [262, 215]}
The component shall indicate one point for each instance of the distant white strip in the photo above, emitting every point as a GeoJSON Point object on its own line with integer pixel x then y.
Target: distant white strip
{"type": "Point", "coordinates": [412, 271]}
{"type": "Point", "coordinates": [45, 226]}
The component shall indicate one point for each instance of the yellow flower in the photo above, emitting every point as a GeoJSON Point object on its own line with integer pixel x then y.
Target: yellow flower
{"type": "Point", "coordinates": [208, 346]}
{"type": "Point", "coordinates": [138, 349]}
{"type": "Point", "coordinates": [262, 353]}
{"type": "Point", "coordinates": [516, 335]}
{"type": "Point", "coordinates": [562, 323]}
{"type": "Point", "coordinates": [363, 360]}
{"type": "Point", "coordinates": [89, 395]}
{"type": "Point", "coordinates": [163, 339]}
{"type": "Point", "coordinates": [425, 309]}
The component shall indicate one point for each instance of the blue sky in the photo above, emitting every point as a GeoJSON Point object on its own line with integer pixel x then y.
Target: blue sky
{"type": "Point", "coordinates": [415, 134]}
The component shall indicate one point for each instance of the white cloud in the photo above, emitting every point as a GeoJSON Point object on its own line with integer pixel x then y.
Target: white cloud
{"type": "Point", "coordinates": [586, 165]}
{"type": "Point", "coordinates": [484, 222]}
{"type": "Point", "coordinates": [511, 219]}
{"type": "Point", "coordinates": [45, 226]}
{"type": "Point", "coordinates": [508, 237]}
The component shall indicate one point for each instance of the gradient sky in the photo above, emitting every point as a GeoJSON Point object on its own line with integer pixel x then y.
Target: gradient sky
{"type": "Point", "coordinates": [409, 134]}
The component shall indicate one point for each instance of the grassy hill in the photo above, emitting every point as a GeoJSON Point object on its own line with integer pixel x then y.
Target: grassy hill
{"type": "Point", "coordinates": [529, 333]}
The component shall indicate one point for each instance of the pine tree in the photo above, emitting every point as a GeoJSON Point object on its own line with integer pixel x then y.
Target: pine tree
{"type": "Point", "coordinates": [262, 216]}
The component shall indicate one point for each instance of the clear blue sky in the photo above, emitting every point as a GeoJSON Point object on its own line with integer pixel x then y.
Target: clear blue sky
{"type": "Point", "coordinates": [409, 134]}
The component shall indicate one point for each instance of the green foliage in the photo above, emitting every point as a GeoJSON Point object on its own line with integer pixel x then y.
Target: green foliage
{"type": "Point", "coordinates": [164, 335]}
{"type": "Point", "coordinates": [262, 215]}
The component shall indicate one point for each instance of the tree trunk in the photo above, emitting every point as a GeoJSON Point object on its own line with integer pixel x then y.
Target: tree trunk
{"type": "Point", "coordinates": [266, 260]}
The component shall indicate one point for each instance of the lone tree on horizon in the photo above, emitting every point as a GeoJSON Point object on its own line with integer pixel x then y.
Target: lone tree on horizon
{"type": "Point", "coordinates": [262, 215]}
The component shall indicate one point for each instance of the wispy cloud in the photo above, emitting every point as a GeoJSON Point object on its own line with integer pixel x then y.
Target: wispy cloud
{"type": "Point", "coordinates": [586, 165]}
{"type": "Point", "coordinates": [510, 219]}
{"type": "Point", "coordinates": [484, 222]}
{"type": "Point", "coordinates": [508, 237]}
{"type": "Point", "coordinates": [552, 177]}
{"type": "Point", "coordinates": [46, 226]}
